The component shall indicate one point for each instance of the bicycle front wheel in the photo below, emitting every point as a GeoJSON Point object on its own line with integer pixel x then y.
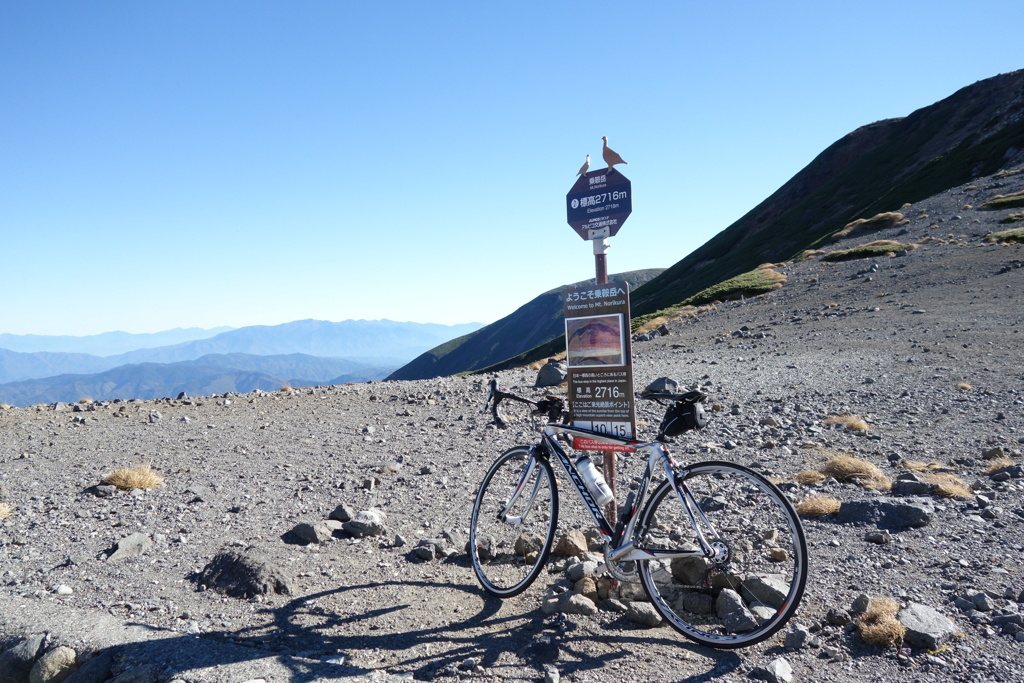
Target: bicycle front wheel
{"type": "Point", "coordinates": [751, 582]}
{"type": "Point", "coordinates": [513, 524]}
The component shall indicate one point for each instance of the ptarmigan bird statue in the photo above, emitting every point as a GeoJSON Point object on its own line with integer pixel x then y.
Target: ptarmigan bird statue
{"type": "Point", "coordinates": [611, 157]}
{"type": "Point", "coordinates": [585, 166]}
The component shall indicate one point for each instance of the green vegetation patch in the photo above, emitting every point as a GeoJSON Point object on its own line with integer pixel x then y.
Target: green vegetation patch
{"type": "Point", "coordinates": [869, 250]}
{"type": "Point", "coordinates": [1013, 218]}
{"type": "Point", "coordinates": [752, 283]}
{"type": "Point", "coordinates": [1004, 201]}
{"type": "Point", "coordinates": [1007, 236]}
{"type": "Point", "coordinates": [880, 221]}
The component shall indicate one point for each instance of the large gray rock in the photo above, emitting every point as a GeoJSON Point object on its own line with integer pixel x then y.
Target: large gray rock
{"type": "Point", "coordinates": [241, 575]}
{"type": "Point", "coordinates": [888, 514]}
{"type": "Point", "coordinates": [131, 546]}
{"type": "Point", "coordinates": [776, 671]}
{"type": "Point", "coordinates": [551, 374]}
{"type": "Point", "coordinates": [662, 385]}
{"type": "Point", "coordinates": [569, 603]}
{"type": "Point", "coordinates": [643, 613]}
{"type": "Point", "coordinates": [926, 628]}
{"type": "Point", "coordinates": [367, 523]}
{"type": "Point", "coordinates": [96, 670]}
{"type": "Point", "coordinates": [16, 663]}
{"type": "Point", "coordinates": [316, 532]}
{"type": "Point", "coordinates": [770, 589]}
{"type": "Point", "coordinates": [54, 666]}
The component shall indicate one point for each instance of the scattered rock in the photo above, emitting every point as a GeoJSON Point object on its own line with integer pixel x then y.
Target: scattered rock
{"type": "Point", "coordinates": [130, 546]}
{"type": "Point", "coordinates": [926, 627]}
{"type": "Point", "coordinates": [242, 575]}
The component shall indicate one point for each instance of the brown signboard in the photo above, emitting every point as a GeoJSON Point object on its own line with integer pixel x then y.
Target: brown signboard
{"type": "Point", "coordinates": [599, 360]}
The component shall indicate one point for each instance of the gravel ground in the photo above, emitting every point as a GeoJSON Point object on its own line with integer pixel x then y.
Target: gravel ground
{"type": "Point", "coordinates": [895, 341]}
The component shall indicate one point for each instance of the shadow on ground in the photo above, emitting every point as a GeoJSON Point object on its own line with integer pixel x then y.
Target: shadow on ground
{"type": "Point", "coordinates": [307, 639]}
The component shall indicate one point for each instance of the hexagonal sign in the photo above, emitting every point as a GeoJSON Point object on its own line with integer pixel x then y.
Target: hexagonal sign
{"type": "Point", "coordinates": [599, 203]}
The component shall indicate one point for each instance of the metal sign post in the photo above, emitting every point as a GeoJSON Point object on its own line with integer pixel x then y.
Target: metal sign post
{"type": "Point", "coordinates": [597, 332]}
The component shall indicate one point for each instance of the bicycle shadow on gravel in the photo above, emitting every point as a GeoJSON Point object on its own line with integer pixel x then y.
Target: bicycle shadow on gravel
{"type": "Point", "coordinates": [310, 638]}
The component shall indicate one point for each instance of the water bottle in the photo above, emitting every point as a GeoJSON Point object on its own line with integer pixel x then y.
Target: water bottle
{"type": "Point", "coordinates": [596, 484]}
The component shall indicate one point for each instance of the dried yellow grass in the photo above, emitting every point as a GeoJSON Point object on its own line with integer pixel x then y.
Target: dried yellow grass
{"type": "Point", "coordinates": [846, 468]}
{"type": "Point", "coordinates": [964, 386]}
{"type": "Point", "coordinates": [998, 464]}
{"type": "Point", "coordinates": [818, 506]}
{"type": "Point", "coordinates": [141, 477]}
{"type": "Point", "coordinates": [879, 221]}
{"type": "Point", "coordinates": [810, 477]}
{"type": "Point", "coordinates": [949, 485]}
{"type": "Point", "coordinates": [851, 422]}
{"type": "Point", "coordinates": [5, 406]}
{"type": "Point", "coordinates": [5, 511]}
{"type": "Point", "coordinates": [879, 625]}
{"type": "Point", "coordinates": [921, 466]}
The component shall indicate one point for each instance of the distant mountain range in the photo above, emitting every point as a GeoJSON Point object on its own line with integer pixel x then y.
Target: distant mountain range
{"type": "Point", "coordinates": [212, 374]}
{"type": "Point", "coordinates": [105, 344]}
{"type": "Point", "coordinates": [531, 324]}
{"type": "Point", "coordinates": [298, 353]}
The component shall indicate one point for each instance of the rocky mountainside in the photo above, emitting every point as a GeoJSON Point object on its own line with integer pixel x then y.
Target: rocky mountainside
{"type": "Point", "coordinates": [345, 508]}
{"type": "Point", "coordinates": [529, 325]}
{"type": "Point", "coordinates": [876, 168]}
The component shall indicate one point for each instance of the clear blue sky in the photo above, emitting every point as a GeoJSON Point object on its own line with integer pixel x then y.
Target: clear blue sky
{"type": "Point", "coordinates": [179, 164]}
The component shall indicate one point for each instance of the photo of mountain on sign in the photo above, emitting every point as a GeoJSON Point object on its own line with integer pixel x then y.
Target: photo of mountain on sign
{"type": "Point", "coordinates": [594, 340]}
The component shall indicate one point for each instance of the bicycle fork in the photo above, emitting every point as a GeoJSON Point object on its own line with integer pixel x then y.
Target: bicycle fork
{"type": "Point", "coordinates": [528, 471]}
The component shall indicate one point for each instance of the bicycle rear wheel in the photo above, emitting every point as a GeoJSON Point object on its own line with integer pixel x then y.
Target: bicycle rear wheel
{"type": "Point", "coordinates": [753, 584]}
{"type": "Point", "coordinates": [509, 544]}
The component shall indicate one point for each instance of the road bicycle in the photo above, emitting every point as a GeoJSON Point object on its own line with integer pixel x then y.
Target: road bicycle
{"type": "Point", "coordinates": [719, 549]}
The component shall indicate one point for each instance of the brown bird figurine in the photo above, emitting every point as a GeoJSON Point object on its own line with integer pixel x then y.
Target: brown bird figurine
{"type": "Point", "coordinates": [611, 157]}
{"type": "Point", "coordinates": [585, 166]}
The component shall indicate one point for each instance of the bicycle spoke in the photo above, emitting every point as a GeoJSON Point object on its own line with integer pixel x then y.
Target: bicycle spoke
{"type": "Point", "coordinates": [511, 535]}
{"type": "Point", "coordinates": [751, 583]}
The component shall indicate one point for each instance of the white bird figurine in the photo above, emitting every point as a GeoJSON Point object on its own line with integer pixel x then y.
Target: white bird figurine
{"type": "Point", "coordinates": [585, 166]}
{"type": "Point", "coordinates": [611, 157]}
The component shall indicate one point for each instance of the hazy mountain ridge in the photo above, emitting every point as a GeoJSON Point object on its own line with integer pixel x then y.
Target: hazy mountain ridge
{"type": "Point", "coordinates": [531, 324]}
{"type": "Point", "coordinates": [211, 374]}
{"type": "Point", "coordinates": [259, 357]}
{"type": "Point", "coordinates": [104, 344]}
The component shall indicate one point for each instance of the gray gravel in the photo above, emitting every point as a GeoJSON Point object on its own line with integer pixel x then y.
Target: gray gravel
{"type": "Point", "coordinates": [890, 340]}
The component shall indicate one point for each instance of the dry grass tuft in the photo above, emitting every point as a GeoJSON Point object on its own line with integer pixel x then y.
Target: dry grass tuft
{"type": "Point", "coordinates": [85, 401]}
{"type": "Point", "coordinates": [998, 464]}
{"type": "Point", "coordinates": [851, 422]}
{"type": "Point", "coordinates": [5, 511]}
{"type": "Point", "coordinates": [5, 406]}
{"type": "Point", "coordinates": [921, 466]}
{"type": "Point", "coordinates": [818, 506]}
{"type": "Point", "coordinates": [810, 477]}
{"type": "Point", "coordinates": [879, 221]}
{"type": "Point", "coordinates": [964, 386]}
{"type": "Point", "coordinates": [949, 485]}
{"type": "Point", "coordinates": [845, 468]}
{"type": "Point", "coordinates": [141, 477]}
{"type": "Point", "coordinates": [879, 626]}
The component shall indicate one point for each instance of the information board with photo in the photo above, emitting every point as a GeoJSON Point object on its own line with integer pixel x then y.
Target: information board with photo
{"type": "Point", "coordinates": [599, 360]}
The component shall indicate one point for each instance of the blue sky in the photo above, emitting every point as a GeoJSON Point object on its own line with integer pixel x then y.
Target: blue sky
{"type": "Point", "coordinates": [184, 164]}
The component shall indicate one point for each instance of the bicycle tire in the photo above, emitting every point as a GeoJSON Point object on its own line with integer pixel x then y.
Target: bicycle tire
{"type": "Point", "coordinates": [507, 557]}
{"type": "Point", "coordinates": [764, 567]}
